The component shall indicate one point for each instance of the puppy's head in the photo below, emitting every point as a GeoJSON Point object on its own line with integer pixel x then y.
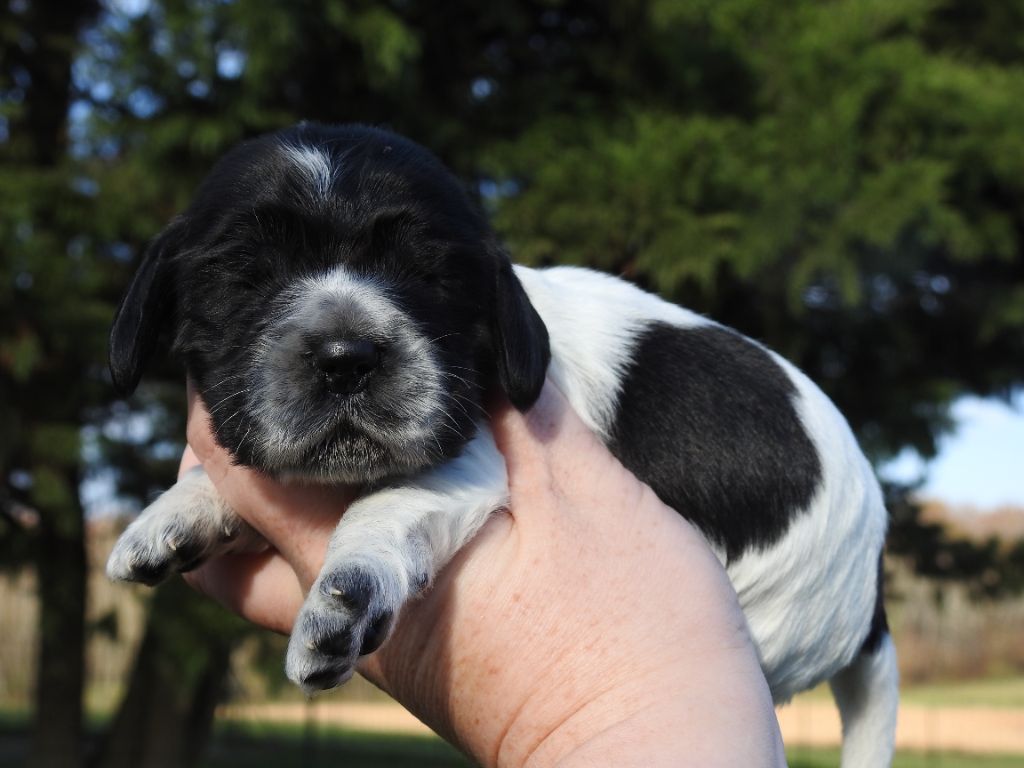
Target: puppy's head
{"type": "Point", "coordinates": [340, 303]}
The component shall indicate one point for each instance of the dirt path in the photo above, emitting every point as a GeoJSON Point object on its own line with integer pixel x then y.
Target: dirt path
{"type": "Point", "coordinates": [981, 730]}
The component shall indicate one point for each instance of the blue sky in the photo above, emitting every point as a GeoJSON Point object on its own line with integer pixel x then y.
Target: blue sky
{"type": "Point", "coordinates": [980, 464]}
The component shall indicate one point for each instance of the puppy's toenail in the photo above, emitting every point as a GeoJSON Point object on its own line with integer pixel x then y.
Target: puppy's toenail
{"type": "Point", "coordinates": [352, 589]}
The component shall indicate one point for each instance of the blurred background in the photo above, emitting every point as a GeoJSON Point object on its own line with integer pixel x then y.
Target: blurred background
{"type": "Point", "coordinates": [843, 180]}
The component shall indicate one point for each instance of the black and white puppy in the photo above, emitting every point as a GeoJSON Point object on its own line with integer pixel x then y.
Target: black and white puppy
{"type": "Point", "coordinates": [342, 306]}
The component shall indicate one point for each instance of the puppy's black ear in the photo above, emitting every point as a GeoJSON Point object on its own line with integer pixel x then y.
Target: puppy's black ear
{"type": "Point", "coordinates": [521, 341]}
{"type": "Point", "coordinates": [143, 311]}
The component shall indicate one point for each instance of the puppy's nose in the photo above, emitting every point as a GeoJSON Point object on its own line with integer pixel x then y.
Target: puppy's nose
{"type": "Point", "coordinates": [346, 365]}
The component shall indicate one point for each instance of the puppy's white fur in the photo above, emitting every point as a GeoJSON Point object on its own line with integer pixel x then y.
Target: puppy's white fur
{"type": "Point", "coordinates": [867, 693]}
{"type": "Point", "coordinates": [318, 169]}
{"type": "Point", "coordinates": [593, 321]}
{"type": "Point", "coordinates": [187, 522]}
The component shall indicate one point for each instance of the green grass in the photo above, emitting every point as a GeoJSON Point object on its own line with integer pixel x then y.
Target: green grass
{"type": "Point", "coordinates": [1002, 692]}
{"type": "Point", "coordinates": [290, 746]}
{"type": "Point", "coordinates": [1005, 692]}
{"type": "Point", "coordinates": [263, 747]}
{"type": "Point", "coordinates": [277, 747]}
{"type": "Point", "coordinates": [829, 758]}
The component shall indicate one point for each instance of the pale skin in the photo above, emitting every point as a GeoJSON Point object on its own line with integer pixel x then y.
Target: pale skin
{"type": "Point", "coordinates": [590, 625]}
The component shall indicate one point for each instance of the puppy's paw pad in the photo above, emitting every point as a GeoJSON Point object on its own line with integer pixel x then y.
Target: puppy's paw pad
{"type": "Point", "coordinates": [376, 633]}
{"type": "Point", "coordinates": [318, 663]}
{"type": "Point", "coordinates": [324, 680]}
{"type": "Point", "coordinates": [328, 641]}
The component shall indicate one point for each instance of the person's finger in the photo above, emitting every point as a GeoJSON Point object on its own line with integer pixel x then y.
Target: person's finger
{"type": "Point", "coordinates": [551, 449]}
{"type": "Point", "coordinates": [261, 588]}
{"type": "Point", "coordinates": [550, 423]}
{"type": "Point", "coordinates": [534, 443]}
{"type": "Point", "coordinates": [198, 433]}
{"type": "Point", "coordinates": [188, 460]}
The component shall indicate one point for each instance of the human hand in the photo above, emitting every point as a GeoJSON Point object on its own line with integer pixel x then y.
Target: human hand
{"type": "Point", "coordinates": [590, 625]}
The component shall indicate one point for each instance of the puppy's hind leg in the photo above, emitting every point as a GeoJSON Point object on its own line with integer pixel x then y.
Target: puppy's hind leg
{"type": "Point", "coordinates": [189, 523]}
{"type": "Point", "coordinates": [867, 693]}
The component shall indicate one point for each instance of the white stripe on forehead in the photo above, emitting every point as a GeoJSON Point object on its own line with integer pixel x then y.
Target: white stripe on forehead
{"type": "Point", "coordinates": [314, 164]}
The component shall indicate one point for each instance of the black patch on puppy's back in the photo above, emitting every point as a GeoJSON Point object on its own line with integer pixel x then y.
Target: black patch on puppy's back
{"type": "Point", "coordinates": [706, 418]}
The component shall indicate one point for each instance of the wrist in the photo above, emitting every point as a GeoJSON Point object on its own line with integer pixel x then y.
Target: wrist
{"type": "Point", "coordinates": [480, 662]}
{"type": "Point", "coordinates": [661, 710]}
{"type": "Point", "coordinates": [668, 720]}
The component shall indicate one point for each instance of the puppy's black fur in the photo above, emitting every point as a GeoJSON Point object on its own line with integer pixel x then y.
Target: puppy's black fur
{"type": "Point", "coordinates": [710, 426]}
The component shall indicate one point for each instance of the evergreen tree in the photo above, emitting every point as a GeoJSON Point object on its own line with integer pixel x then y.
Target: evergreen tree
{"type": "Point", "coordinates": [843, 180]}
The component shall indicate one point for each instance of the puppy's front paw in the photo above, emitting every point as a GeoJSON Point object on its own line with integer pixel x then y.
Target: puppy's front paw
{"type": "Point", "coordinates": [185, 526]}
{"type": "Point", "coordinates": [348, 614]}
{"type": "Point", "coordinates": [161, 545]}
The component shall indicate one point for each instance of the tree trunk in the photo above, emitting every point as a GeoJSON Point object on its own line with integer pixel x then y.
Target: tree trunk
{"type": "Point", "coordinates": [45, 51]}
{"type": "Point", "coordinates": [56, 739]}
{"type": "Point", "coordinates": [165, 717]}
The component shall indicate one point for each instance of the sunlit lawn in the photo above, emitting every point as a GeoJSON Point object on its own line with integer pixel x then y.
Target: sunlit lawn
{"type": "Point", "coordinates": [998, 692]}
{"type": "Point", "coordinates": [284, 747]}
{"type": "Point", "coordinates": [262, 748]}
{"type": "Point", "coordinates": [236, 745]}
{"type": "Point", "coordinates": [280, 747]}
{"type": "Point", "coordinates": [249, 746]}
{"type": "Point", "coordinates": [829, 758]}
{"type": "Point", "coordinates": [1003, 692]}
